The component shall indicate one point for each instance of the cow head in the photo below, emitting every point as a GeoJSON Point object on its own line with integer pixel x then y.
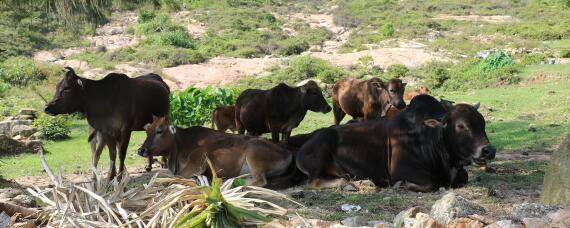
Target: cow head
{"type": "Point", "coordinates": [160, 138]}
{"type": "Point", "coordinates": [465, 134]}
{"type": "Point", "coordinates": [396, 93]}
{"type": "Point", "coordinates": [426, 110]}
{"type": "Point", "coordinates": [313, 97]}
{"type": "Point", "coordinates": [69, 95]}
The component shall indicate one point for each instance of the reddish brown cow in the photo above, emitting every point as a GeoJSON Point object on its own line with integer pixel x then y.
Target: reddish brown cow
{"type": "Point", "coordinates": [419, 91]}
{"type": "Point", "coordinates": [115, 106]}
{"type": "Point", "coordinates": [223, 118]}
{"type": "Point", "coordinates": [367, 99]}
{"type": "Point", "coordinates": [232, 155]}
{"type": "Point", "coordinates": [411, 148]}
{"type": "Point", "coordinates": [277, 110]}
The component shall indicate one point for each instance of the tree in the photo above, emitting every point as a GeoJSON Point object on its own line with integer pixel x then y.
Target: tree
{"type": "Point", "coordinates": [556, 187]}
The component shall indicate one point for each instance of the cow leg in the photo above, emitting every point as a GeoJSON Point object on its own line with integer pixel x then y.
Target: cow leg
{"type": "Point", "coordinates": [148, 167]}
{"type": "Point", "coordinates": [461, 178]}
{"type": "Point", "coordinates": [323, 183]}
{"type": "Point", "coordinates": [259, 180]}
{"type": "Point", "coordinates": [97, 146]}
{"type": "Point", "coordinates": [419, 188]}
{"type": "Point", "coordinates": [163, 163]}
{"type": "Point", "coordinates": [123, 145]}
{"type": "Point", "coordinates": [338, 114]}
{"type": "Point", "coordinates": [285, 136]}
{"type": "Point", "coordinates": [112, 145]}
{"type": "Point", "coordinates": [275, 136]}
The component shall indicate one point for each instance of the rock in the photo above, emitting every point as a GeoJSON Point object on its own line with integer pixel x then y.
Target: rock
{"type": "Point", "coordinates": [25, 117]}
{"type": "Point", "coordinates": [33, 145]}
{"type": "Point", "coordinates": [532, 128]}
{"type": "Point", "coordinates": [379, 224]}
{"type": "Point", "coordinates": [24, 200]}
{"type": "Point", "coordinates": [532, 210]}
{"type": "Point", "coordinates": [277, 224]}
{"type": "Point", "coordinates": [5, 220]}
{"type": "Point", "coordinates": [535, 222]}
{"type": "Point", "coordinates": [423, 220]}
{"type": "Point", "coordinates": [408, 223]}
{"type": "Point", "coordinates": [452, 206]}
{"type": "Point", "coordinates": [36, 136]}
{"type": "Point", "coordinates": [465, 223]}
{"type": "Point", "coordinates": [23, 130]}
{"type": "Point", "coordinates": [349, 188]}
{"type": "Point", "coordinates": [9, 193]}
{"type": "Point", "coordinates": [303, 223]}
{"type": "Point", "coordinates": [28, 111]}
{"type": "Point", "coordinates": [481, 219]}
{"type": "Point", "coordinates": [504, 224]}
{"type": "Point", "coordinates": [354, 221]}
{"type": "Point", "coordinates": [556, 187]}
{"type": "Point", "coordinates": [17, 137]}
{"type": "Point", "coordinates": [560, 218]}
{"type": "Point", "coordinates": [5, 127]}
{"type": "Point", "coordinates": [350, 208]}
{"type": "Point", "coordinates": [11, 146]}
{"type": "Point", "coordinates": [403, 215]}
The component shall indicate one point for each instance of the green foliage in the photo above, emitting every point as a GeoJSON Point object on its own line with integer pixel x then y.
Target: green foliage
{"type": "Point", "coordinates": [475, 73]}
{"type": "Point", "coordinates": [397, 71]}
{"type": "Point", "coordinates": [163, 56]}
{"type": "Point", "coordinates": [20, 71]}
{"type": "Point", "coordinates": [496, 60]}
{"type": "Point", "coordinates": [436, 73]}
{"type": "Point", "coordinates": [193, 106]}
{"type": "Point", "coordinates": [388, 30]}
{"type": "Point", "coordinates": [4, 87]}
{"type": "Point", "coordinates": [532, 59]}
{"type": "Point", "coordinates": [178, 38]}
{"type": "Point", "coordinates": [292, 46]}
{"type": "Point", "coordinates": [565, 53]}
{"type": "Point", "coordinates": [53, 127]}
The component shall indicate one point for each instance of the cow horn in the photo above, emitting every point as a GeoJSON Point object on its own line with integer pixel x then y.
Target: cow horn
{"type": "Point", "coordinates": [69, 69]}
{"type": "Point", "coordinates": [477, 105]}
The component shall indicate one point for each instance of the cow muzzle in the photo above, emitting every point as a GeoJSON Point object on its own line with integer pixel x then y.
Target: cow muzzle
{"type": "Point", "coordinates": [143, 151]}
{"type": "Point", "coordinates": [326, 108]}
{"type": "Point", "coordinates": [48, 109]}
{"type": "Point", "coordinates": [400, 105]}
{"type": "Point", "coordinates": [486, 154]}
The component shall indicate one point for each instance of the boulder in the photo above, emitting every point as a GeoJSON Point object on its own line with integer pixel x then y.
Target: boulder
{"type": "Point", "coordinates": [465, 223]}
{"type": "Point", "coordinates": [556, 187]}
{"type": "Point", "coordinates": [535, 222]}
{"type": "Point", "coordinates": [504, 224]}
{"type": "Point", "coordinates": [379, 224]}
{"type": "Point", "coordinates": [452, 206]}
{"type": "Point", "coordinates": [532, 210]}
{"type": "Point", "coordinates": [28, 111]}
{"type": "Point", "coordinates": [23, 130]}
{"type": "Point", "coordinates": [425, 221]}
{"type": "Point", "coordinates": [36, 136]}
{"type": "Point", "coordinates": [355, 221]}
{"type": "Point", "coordinates": [24, 200]}
{"type": "Point", "coordinates": [5, 127]}
{"type": "Point", "coordinates": [400, 218]}
{"type": "Point", "coordinates": [560, 218]}
{"type": "Point", "coordinates": [10, 146]}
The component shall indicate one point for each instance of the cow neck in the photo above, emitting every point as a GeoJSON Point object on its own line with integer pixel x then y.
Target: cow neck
{"type": "Point", "coordinates": [174, 157]}
{"type": "Point", "coordinates": [432, 150]}
{"type": "Point", "coordinates": [450, 146]}
{"type": "Point", "coordinates": [89, 87]}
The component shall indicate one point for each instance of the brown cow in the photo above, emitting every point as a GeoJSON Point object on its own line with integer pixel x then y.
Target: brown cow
{"type": "Point", "coordinates": [231, 155]}
{"type": "Point", "coordinates": [419, 91]}
{"type": "Point", "coordinates": [115, 105]}
{"type": "Point", "coordinates": [277, 110]}
{"type": "Point", "coordinates": [367, 99]}
{"type": "Point", "coordinates": [224, 118]}
{"type": "Point", "coordinates": [410, 148]}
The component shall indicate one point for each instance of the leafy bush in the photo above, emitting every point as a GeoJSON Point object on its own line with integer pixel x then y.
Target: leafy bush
{"type": "Point", "coordinates": [53, 127]}
{"type": "Point", "coordinates": [397, 71]}
{"type": "Point", "coordinates": [436, 73]}
{"type": "Point", "coordinates": [293, 46]}
{"type": "Point", "coordinates": [496, 60]}
{"type": "Point", "coordinates": [193, 106]}
{"type": "Point", "coordinates": [474, 73]}
{"type": "Point", "coordinates": [530, 59]}
{"type": "Point", "coordinates": [565, 53]}
{"type": "Point", "coordinates": [178, 38]}
{"type": "Point", "coordinates": [145, 16]}
{"type": "Point", "coordinates": [388, 30]}
{"type": "Point", "coordinates": [156, 24]}
{"type": "Point", "coordinates": [19, 71]}
{"type": "Point", "coordinates": [4, 87]}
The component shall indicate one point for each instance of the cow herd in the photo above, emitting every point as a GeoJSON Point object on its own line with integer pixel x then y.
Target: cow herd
{"type": "Point", "coordinates": [422, 146]}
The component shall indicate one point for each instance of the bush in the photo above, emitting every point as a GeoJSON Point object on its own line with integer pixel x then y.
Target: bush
{"type": "Point", "coordinates": [4, 87]}
{"type": "Point", "coordinates": [496, 60]}
{"type": "Point", "coordinates": [193, 106]}
{"type": "Point", "coordinates": [436, 74]}
{"type": "Point", "coordinates": [156, 24]}
{"type": "Point", "coordinates": [178, 38]}
{"type": "Point", "coordinates": [20, 71]}
{"type": "Point", "coordinates": [565, 53]}
{"type": "Point", "coordinates": [292, 46]}
{"type": "Point", "coordinates": [397, 71]}
{"type": "Point", "coordinates": [474, 73]}
{"type": "Point", "coordinates": [388, 30]}
{"type": "Point", "coordinates": [530, 59]}
{"type": "Point", "coordinates": [53, 127]}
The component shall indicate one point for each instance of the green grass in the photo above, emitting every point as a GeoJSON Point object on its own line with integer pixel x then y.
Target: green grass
{"type": "Point", "coordinates": [558, 44]}
{"type": "Point", "coordinates": [555, 70]}
{"type": "Point", "coordinates": [68, 156]}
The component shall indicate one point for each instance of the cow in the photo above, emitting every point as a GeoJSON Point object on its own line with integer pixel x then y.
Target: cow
{"type": "Point", "coordinates": [223, 118]}
{"type": "Point", "coordinates": [232, 155]}
{"type": "Point", "coordinates": [114, 106]}
{"type": "Point", "coordinates": [419, 91]}
{"type": "Point", "coordinates": [366, 99]}
{"type": "Point", "coordinates": [415, 148]}
{"type": "Point", "coordinates": [277, 110]}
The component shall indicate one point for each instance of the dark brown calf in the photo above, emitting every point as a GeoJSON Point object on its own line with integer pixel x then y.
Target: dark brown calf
{"type": "Point", "coordinates": [224, 118]}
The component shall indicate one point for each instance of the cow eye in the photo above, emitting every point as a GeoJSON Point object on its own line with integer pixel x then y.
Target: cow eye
{"type": "Point", "coordinates": [461, 126]}
{"type": "Point", "coordinates": [158, 131]}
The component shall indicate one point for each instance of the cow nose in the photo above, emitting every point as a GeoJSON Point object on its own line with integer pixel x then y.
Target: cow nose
{"type": "Point", "coordinates": [47, 109]}
{"type": "Point", "coordinates": [143, 152]}
{"type": "Point", "coordinates": [489, 152]}
{"type": "Point", "coordinates": [326, 109]}
{"type": "Point", "coordinates": [401, 105]}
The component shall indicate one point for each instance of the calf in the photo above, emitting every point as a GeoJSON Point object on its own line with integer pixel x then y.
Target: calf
{"type": "Point", "coordinates": [419, 91]}
{"type": "Point", "coordinates": [224, 118]}
{"type": "Point", "coordinates": [231, 155]}
{"type": "Point", "coordinates": [366, 99]}
{"type": "Point", "coordinates": [277, 110]}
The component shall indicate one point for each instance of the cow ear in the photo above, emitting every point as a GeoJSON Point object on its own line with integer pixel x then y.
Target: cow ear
{"type": "Point", "coordinates": [146, 126]}
{"type": "Point", "coordinates": [448, 105]}
{"type": "Point", "coordinates": [433, 123]}
{"type": "Point", "coordinates": [79, 82]}
{"type": "Point", "coordinates": [172, 129]}
{"type": "Point", "coordinates": [303, 89]}
{"type": "Point", "coordinates": [477, 105]}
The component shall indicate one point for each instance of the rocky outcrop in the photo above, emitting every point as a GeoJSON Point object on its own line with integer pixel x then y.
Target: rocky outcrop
{"type": "Point", "coordinates": [452, 206]}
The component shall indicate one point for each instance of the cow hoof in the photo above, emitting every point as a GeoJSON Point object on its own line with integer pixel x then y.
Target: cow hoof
{"type": "Point", "coordinates": [148, 168]}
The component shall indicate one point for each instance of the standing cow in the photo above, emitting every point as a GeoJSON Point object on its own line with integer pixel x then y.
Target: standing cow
{"type": "Point", "coordinates": [277, 110]}
{"type": "Point", "coordinates": [367, 99]}
{"type": "Point", "coordinates": [115, 106]}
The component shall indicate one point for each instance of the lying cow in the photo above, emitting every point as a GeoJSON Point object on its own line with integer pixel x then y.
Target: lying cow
{"type": "Point", "coordinates": [277, 110]}
{"type": "Point", "coordinates": [115, 106]}
{"type": "Point", "coordinates": [419, 91]}
{"type": "Point", "coordinates": [411, 148]}
{"type": "Point", "coordinates": [367, 99]}
{"type": "Point", "coordinates": [232, 155]}
{"type": "Point", "coordinates": [223, 118]}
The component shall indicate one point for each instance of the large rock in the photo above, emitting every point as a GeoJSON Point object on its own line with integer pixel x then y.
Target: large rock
{"type": "Point", "coordinates": [535, 222]}
{"type": "Point", "coordinates": [556, 187]}
{"type": "Point", "coordinates": [403, 215]}
{"type": "Point", "coordinates": [560, 218]}
{"type": "Point", "coordinates": [23, 130]}
{"type": "Point", "coordinates": [28, 111]}
{"type": "Point", "coordinates": [465, 223]}
{"type": "Point", "coordinates": [17, 197]}
{"type": "Point", "coordinates": [452, 206]}
{"type": "Point", "coordinates": [355, 221]}
{"type": "Point", "coordinates": [425, 221]}
{"type": "Point", "coordinates": [504, 224]}
{"type": "Point", "coordinates": [532, 210]}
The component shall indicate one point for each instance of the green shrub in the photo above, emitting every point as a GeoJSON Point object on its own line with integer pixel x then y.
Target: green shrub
{"type": "Point", "coordinates": [293, 46]}
{"type": "Point", "coordinates": [193, 106]}
{"type": "Point", "coordinates": [388, 30]}
{"type": "Point", "coordinates": [53, 127]}
{"type": "Point", "coordinates": [20, 71]}
{"type": "Point", "coordinates": [4, 87]}
{"type": "Point", "coordinates": [436, 73]}
{"type": "Point", "coordinates": [474, 73]}
{"type": "Point", "coordinates": [156, 24]}
{"type": "Point", "coordinates": [145, 16]}
{"type": "Point", "coordinates": [496, 60]}
{"type": "Point", "coordinates": [565, 53]}
{"type": "Point", "coordinates": [178, 38]}
{"type": "Point", "coordinates": [530, 59]}
{"type": "Point", "coordinates": [397, 71]}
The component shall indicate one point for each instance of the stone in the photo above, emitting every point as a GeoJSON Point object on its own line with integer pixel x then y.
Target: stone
{"type": "Point", "coordinates": [5, 220]}
{"type": "Point", "coordinates": [33, 145]}
{"type": "Point", "coordinates": [403, 215]}
{"type": "Point", "coordinates": [423, 220]}
{"type": "Point", "coordinates": [532, 128]}
{"type": "Point", "coordinates": [556, 186]}
{"type": "Point", "coordinates": [355, 221]}
{"type": "Point", "coordinates": [23, 130]}
{"type": "Point", "coordinates": [277, 224]}
{"type": "Point", "coordinates": [36, 136]}
{"type": "Point", "coordinates": [560, 218]}
{"type": "Point", "coordinates": [532, 210]}
{"type": "Point", "coordinates": [349, 188]}
{"type": "Point", "coordinates": [9, 193]}
{"type": "Point", "coordinates": [481, 219]}
{"type": "Point", "coordinates": [452, 206]}
{"type": "Point", "coordinates": [379, 224]}
{"type": "Point", "coordinates": [535, 222]}
{"type": "Point", "coordinates": [5, 127]}
{"type": "Point", "coordinates": [350, 207]}
{"type": "Point", "coordinates": [504, 224]}
{"type": "Point", "coordinates": [24, 200]}
{"type": "Point", "coordinates": [25, 117]}
{"type": "Point", "coordinates": [28, 111]}
{"type": "Point", "coordinates": [465, 223]}
{"type": "Point", "coordinates": [10, 146]}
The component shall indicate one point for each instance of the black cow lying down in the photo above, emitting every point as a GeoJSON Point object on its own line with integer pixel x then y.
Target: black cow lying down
{"type": "Point", "coordinates": [415, 148]}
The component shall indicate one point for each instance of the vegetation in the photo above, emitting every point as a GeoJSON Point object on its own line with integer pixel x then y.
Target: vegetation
{"type": "Point", "coordinates": [194, 106]}
{"type": "Point", "coordinates": [53, 127]}
{"type": "Point", "coordinates": [397, 71]}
